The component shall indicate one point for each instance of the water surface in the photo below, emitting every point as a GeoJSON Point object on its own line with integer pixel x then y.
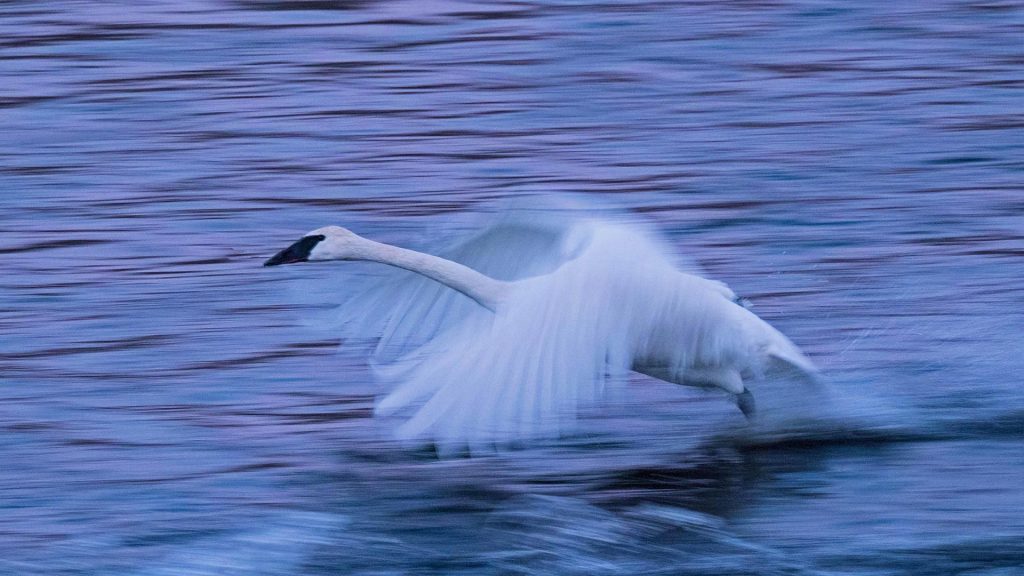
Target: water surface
{"type": "Point", "coordinates": [167, 406]}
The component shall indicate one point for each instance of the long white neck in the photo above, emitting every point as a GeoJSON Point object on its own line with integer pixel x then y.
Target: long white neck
{"type": "Point", "coordinates": [487, 291]}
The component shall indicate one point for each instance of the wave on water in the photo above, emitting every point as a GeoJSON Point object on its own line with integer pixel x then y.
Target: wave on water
{"type": "Point", "coordinates": [278, 545]}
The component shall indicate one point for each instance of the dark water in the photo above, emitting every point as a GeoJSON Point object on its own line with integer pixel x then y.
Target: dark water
{"type": "Point", "coordinates": [856, 169]}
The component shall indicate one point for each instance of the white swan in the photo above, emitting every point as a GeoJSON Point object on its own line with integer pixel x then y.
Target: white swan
{"type": "Point", "coordinates": [564, 305]}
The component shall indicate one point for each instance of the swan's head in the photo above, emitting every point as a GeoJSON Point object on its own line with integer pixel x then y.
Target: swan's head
{"type": "Point", "coordinates": [327, 243]}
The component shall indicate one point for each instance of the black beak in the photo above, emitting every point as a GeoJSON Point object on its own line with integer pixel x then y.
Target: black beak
{"type": "Point", "coordinates": [298, 252]}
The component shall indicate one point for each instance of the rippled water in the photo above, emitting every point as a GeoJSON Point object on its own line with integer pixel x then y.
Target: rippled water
{"type": "Point", "coordinates": [167, 406]}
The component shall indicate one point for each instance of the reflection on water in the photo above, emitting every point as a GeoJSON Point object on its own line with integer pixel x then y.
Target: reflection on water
{"type": "Point", "coordinates": [167, 407]}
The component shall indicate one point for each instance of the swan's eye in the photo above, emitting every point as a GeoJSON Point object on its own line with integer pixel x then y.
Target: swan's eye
{"type": "Point", "coordinates": [297, 252]}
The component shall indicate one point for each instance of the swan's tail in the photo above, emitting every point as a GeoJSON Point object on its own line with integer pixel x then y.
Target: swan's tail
{"type": "Point", "coordinates": [778, 351]}
{"type": "Point", "coordinates": [785, 354]}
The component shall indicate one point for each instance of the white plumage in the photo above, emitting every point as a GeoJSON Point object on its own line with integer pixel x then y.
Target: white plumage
{"type": "Point", "coordinates": [556, 305]}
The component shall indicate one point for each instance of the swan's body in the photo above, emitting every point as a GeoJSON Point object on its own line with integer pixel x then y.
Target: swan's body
{"type": "Point", "coordinates": [522, 354]}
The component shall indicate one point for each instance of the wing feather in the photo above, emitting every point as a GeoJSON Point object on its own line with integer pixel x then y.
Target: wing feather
{"type": "Point", "coordinates": [525, 371]}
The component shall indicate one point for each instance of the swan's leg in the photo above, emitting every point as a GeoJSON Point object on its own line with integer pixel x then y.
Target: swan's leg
{"type": "Point", "coordinates": [745, 402]}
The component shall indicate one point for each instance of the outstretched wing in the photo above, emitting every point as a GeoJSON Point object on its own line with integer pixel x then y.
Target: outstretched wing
{"type": "Point", "coordinates": [528, 369]}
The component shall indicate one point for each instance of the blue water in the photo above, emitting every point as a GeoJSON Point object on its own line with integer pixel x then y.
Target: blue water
{"type": "Point", "coordinates": [168, 406]}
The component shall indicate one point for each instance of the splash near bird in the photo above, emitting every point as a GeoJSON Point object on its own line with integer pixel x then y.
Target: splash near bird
{"type": "Point", "coordinates": [507, 335]}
